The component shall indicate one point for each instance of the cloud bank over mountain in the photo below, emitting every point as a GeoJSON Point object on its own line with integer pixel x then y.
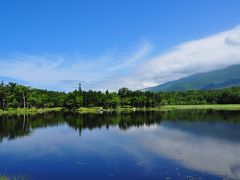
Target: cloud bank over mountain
{"type": "Point", "coordinates": [202, 55]}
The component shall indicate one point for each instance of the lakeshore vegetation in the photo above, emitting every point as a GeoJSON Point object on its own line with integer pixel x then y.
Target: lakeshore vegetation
{"type": "Point", "coordinates": [15, 97]}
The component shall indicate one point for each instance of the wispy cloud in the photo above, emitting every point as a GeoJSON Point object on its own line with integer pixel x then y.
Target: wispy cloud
{"type": "Point", "coordinates": [136, 69]}
{"type": "Point", "coordinates": [63, 72]}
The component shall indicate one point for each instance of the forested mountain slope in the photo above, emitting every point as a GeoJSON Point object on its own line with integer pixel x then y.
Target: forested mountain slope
{"type": "Point", "coordinates": [218, 79]}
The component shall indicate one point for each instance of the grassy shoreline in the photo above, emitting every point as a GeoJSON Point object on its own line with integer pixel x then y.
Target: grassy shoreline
{"type": "Point", "coordinates": [13, 177]}
{"type": "Point", "coordinates": [226, 107]}
{"type": "Point", "coordinates": [28, 111]}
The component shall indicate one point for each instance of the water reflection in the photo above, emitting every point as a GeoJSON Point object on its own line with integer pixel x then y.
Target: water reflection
{"type": "Point", "coordinates": [203, 141]}
{"type": "Point", "coordinates": [12, 127]}
{"type": "Point", "coordinates": [207, 154]}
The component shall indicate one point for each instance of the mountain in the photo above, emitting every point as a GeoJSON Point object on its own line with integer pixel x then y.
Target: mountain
{"type": "Point", "coordinates": [222, 78]}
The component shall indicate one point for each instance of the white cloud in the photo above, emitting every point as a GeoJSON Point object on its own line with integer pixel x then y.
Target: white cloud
{"type": "Point", "coordinates": [207, 54]}
{"type": "Point", "coordinates": [135, 70]}
{"type": "Point", "coordinates": [233, 38]}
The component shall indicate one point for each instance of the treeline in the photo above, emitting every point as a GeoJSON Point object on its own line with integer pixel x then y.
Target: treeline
{"type": "Point", "coordinates": [13, 95]}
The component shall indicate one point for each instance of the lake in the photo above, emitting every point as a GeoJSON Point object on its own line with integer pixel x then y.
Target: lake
{"type": "Point", "coordinates": [139, 145]}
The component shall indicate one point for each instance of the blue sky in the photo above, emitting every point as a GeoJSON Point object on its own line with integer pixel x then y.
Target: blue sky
{"type": "Point", "coordinates": [107, 44]}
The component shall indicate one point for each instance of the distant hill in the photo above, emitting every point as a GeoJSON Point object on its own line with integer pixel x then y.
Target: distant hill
{"type": "Point", "coordinates": [223, 78]}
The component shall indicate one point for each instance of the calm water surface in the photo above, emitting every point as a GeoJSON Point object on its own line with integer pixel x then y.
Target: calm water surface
{"type": "Point", "coordinates": [150, 145]}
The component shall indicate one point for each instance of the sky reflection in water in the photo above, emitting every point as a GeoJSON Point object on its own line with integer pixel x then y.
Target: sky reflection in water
{"type": "Point", "coordinates": [136, 145]}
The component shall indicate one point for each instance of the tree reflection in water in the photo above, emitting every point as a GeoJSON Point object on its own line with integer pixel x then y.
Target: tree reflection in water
{"type": "Point", "coordinates": [15, 126]}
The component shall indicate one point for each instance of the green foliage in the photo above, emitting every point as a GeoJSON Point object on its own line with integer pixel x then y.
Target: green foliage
{"type": "Point", "coordinates": [13, 95]}
{"type": "Point", "coordinates": [72, 101]}
{"type": "Point", "coordinates": [17, 96]}
{"type": "Point", "coordinates": [111, 100]}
